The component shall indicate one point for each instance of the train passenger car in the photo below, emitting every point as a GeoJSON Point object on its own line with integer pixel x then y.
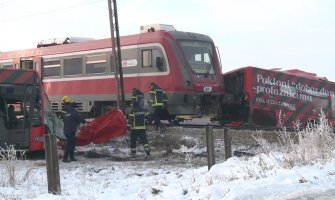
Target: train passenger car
{"type": "Point", "coordinates": [260, 97]}
{"type": "Point", "coordinates": [25, 111]}
{"type": "Point", "coordinates": [186, 65]}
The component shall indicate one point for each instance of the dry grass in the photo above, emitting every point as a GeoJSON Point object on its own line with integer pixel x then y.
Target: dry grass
{"type": "Point", "coordinates": [10, 160]}
{"type": "Point", "coordinates": [314, 143]}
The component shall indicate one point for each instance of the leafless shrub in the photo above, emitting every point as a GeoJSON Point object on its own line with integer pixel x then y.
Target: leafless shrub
{"type": "Point", "coordinates": [257, 172]}
{"type": "Point", "coordinates": [209, 180]}
{"type": "Point", "coordinates": [264, 166]}
{"type": "Point", "coordinates": [10, 158]}
{"type": "Point", "coordinates": [251, 173]}
{"type": "Point", "coordinates": [264, 145]}
{"type": "Point", "coordinates": [189, 147]}
{"type": "Point", "coordinates": [186, 152]}
{"type": "Point", "coordinates": [9, 196]}
{"type": "Point", "coordinates": [286, 140]}
{"type": "Point", "coordinates": [26, 175]}
{"type": "Point", "coordinates": [230, 177]}
{"type": "Point", "coordinates": [314, 143]}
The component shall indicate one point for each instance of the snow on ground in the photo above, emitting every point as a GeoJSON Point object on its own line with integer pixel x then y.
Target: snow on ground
{"type": "Point", "coordinates": [237, 178]}
{"type": "Point", "coordinates": [258, 177]}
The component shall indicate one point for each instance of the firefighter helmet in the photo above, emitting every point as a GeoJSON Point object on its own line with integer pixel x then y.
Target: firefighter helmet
{"type": "Point", "coordinates": [66, 99]}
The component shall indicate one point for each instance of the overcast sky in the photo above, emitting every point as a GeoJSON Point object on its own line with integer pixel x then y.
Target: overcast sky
{"type": "Point", "coordinates": [284, 34]}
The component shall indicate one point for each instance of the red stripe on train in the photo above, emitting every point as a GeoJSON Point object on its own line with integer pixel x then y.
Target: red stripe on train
{"type": "Point", "coordinates": [24, 78]}
{"type": "Point", "coordinates": [4, 75]}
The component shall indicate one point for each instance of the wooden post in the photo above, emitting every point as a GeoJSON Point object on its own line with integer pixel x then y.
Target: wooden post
{"type": "Point", "coordinates": [52, 164]}
{"type": "Point", "coordinates": [227, 143]}
{"type": "Point", "coordinates": [210, 146]}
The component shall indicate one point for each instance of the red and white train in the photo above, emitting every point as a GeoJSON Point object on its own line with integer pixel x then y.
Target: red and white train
{"type": "Point", "coordinates": [186, 65]}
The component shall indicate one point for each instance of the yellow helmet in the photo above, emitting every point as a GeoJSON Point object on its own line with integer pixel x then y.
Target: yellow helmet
{"type": "Point", "coordinates": [66, 99]}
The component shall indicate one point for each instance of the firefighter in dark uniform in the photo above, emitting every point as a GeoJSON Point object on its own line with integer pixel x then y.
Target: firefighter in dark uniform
{"type": "Point", "coordinates": [137, 95]}
{"type": "Point", "coordinates": [158, 100]}
{"type": "Point", "coordinates": [136, 124]}
{"type": "Point", "coordinates": [71, 121]}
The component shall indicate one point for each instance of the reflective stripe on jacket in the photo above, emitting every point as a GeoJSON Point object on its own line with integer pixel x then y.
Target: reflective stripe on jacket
{"type": "Point", "coordinates": [157, 97]}
{"type": "Point", "coordinates": [137, 95]}
{"type": "Point", "coordinates": [136, 119]}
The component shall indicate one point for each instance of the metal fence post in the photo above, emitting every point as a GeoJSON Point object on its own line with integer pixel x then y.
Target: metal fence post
{"type": "Point", "coordinates": [52, 164]}
{"type": "Point", "coordinates": [227, 143]}
{"type": "Point", "coordinates": [210, 146]}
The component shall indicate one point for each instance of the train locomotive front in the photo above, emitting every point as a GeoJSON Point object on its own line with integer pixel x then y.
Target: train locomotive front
{"type": "Point", "coordinates": [196, 74]}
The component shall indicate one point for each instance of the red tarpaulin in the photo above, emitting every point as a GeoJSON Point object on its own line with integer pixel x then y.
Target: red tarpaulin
{"type": "Point", "coordinates": [103, 129]}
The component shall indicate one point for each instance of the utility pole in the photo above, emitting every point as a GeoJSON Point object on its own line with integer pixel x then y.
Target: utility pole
{"type": "Point", "coordinates": [116, 54]}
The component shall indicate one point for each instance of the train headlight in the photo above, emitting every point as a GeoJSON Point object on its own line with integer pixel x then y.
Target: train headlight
{"type": "Point", "coordinates": [208, 89]}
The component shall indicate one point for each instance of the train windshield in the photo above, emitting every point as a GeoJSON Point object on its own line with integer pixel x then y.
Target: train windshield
{"type": "Point", "coordinates": [199, 56]}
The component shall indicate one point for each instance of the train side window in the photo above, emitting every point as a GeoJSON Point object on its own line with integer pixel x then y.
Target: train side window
{"type": "Point", "coordinates": [96, 64]}
{"type": "Point", "coordinates": [6, 65]}
{"type": "Point", "coordinates": [147, 58]}
{"type": "Point", "coordinates": [153, 58]}
{"type": "Point", "coordinates": [51, 68]}
{"type": "Point", "coordinates": [73, 66]}
{"type": "Point", "coordinates": [159, 60]}
{"type": "Point", "coordinates": [26, 63]}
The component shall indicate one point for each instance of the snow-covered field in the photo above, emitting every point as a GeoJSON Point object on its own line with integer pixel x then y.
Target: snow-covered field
{"type": "Point", "coordinates": [183, 174]}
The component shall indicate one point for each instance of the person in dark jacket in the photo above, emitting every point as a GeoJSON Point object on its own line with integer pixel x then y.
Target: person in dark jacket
{"type": "Point", "coordinates": [136, 124]}
{"type": "Point", "coordinates": [12, 116]}
{"type": "Point", "coordinates": [158, 101]}
{"type": "Point", "coordinates": [137, 96]}
{"type": "Point", "coordinates": [71, 121]}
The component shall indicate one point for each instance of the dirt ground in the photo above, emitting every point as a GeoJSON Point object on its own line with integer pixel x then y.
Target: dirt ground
{"type": "Point", "coordinates": [177, 146]}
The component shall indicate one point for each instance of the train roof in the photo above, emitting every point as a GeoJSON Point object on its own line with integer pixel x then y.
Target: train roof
{"type": "Point", "coordinates": [59, 41]}
{"type": "Point", "coordinates": [86, 45]}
